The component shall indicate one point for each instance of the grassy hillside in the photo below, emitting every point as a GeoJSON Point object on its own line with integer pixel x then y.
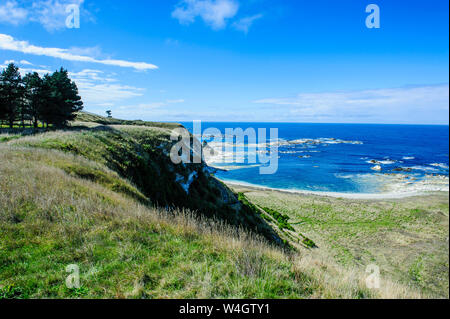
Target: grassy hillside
{"type": "Point", "coordinates": [107, 198]}
{"type": "Point", "coordinates": [141, 155]}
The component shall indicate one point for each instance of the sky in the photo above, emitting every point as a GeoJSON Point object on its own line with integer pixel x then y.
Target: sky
{"type": "Point", "coordinates": [243, 61]}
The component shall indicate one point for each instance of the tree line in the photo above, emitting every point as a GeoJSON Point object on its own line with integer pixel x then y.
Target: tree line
{"type": "Point", "coordinates": [31, 100]}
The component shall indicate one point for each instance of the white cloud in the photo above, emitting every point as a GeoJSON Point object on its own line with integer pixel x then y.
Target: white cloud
{"type": "Point", "coordinates": [99, 88]}
{"type": "Point", "coordinates": [172, 42]}
{"type": "Point", "coordinates": [22, 62]}
{"type": "Point", "coordinates": [51, 14]}
{"type": "Point", "coordinates": [244, 24]}
{"type": "Point", "coordinates": [174, 101]}
{"type": "Point", "coordinates": [152, 105]}
{"type": "Point", "coordinates": [41, 72]}
{"type": "Point", "coordinates": [101, 93]}
{"type": "Point", "coordinates": [213, 12]}
{"type": "Point", "coordinates": [9, 43]}
{"type": "Point", "coordinates": [150, 111]}
{"type": "Point", "coordinates": [424, 104]}
{"type": "Point", "coordinates": [11, 13]}
{"type": "Point", "coordinates": [94, 52]}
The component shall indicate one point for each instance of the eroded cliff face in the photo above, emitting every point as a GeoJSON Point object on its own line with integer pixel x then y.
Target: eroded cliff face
{"type": "Point", "coordinates": [186, 185]}
{"type": "Point", "coordinates": [193, 186]}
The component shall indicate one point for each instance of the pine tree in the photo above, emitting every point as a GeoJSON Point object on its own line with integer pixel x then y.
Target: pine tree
{"type": "Point", "coordinates": [47, 109]}
{"type": "Point", "coordinates": [52, 100]}
{"type": "Point", "coordinates": [64, 99]}
{"type": "Point", "coordinates": [11, 92]}
{"type": "Point", "coordinates": [34, 97]}
{"type": "Point", "coordinates": [2, 103]}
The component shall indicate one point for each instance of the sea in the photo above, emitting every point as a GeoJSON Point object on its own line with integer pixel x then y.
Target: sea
{"type": "Point", "coordinates": [337, 159]}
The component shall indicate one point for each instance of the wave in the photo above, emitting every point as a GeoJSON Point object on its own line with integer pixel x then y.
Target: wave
{"type": "Point", "coordinates": [440, 165]}
{"type": "Point", "coordinates": [395, 191]}
{"type": "Point", "coordinates": [383, 162]}
{"type": "Point", "coordinates": [233, 167]}
{"type": "Point", "coordinates": [400, 183]}
{"type": "Point", "coordinates": [318, 141]}
{"type": "Point", "coordinates": [421, 168]}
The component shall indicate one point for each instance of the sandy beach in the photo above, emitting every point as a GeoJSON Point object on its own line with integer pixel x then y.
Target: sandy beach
{"type": "Point", "coordinates": [391, 195]}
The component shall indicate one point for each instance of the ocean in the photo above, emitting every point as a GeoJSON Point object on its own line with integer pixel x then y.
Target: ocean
{"type": "Point", "coordinates": [342, 158]}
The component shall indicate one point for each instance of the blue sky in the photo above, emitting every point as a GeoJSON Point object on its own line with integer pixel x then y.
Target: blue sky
{"type": "Point", "coordinates": [236, 60]}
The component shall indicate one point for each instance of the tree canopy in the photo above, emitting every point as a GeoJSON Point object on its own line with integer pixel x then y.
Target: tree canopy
{"type": "Point", "coordinates": [51, 100]}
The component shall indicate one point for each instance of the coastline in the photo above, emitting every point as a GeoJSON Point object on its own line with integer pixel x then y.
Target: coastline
{"type": "Point", "coordinates": [362, 196]}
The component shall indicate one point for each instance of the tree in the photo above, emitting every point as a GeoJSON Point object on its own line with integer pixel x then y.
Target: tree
{"type": "Point", "coordinates": [2, 104]}
{"type": "Point", "coordinates": [62, 99]}
{"type": "Point", "coordinates": [46, 109]}
{"type": "Point", "coordinates": [34, 97]}
{"type": "Point", "coordinates": [11, 92]}
{"type": "Point", "coordinates": [52, 100]}
{"type": "Point", "coordinates": [108, 114]}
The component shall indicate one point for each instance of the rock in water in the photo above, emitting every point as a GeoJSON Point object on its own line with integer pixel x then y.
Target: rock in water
{"type": "Point", "coordinates": [377, 168]}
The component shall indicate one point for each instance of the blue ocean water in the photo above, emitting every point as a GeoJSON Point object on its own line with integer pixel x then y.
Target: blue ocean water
{"type": "Point", "coordinates": [347, 158]}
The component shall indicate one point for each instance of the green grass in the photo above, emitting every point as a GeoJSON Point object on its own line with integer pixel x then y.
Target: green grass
{"type": "Point", "coordinates": [7, 138]}
{"type": "Point", "coordinates": [281, 221]}
{"type": "Point", "coordinates": [407, 238]}
{"type": "Point", "coordinates": [85, 117]}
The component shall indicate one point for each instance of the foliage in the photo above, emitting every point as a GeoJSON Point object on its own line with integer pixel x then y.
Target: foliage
{"type": "Point", "coordinates": [53, 100]}
{"type": "Point", "coordinates": [309, 243]}
{"type": "Point", "coordinates": [34, 97]}
{"type": "Point", "coordinates": [11, 94]}
{"type": "Point", "coordinates": [12, 292]}
{"type": "Point", "coordinates": [282, 219]}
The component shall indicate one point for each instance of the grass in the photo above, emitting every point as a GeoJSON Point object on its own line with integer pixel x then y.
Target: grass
{"type": "Point", "coordinates": [407, 238]}
{"type": "Point", "coordinates": [103, 195]}
{"type": "Point", "coordinates": [50, 218]}
{"type": "Point", "coordinates": [286, 231]}
{"type": "Point", "coordinates": [9, 137]}
{"type": "Point", "coordinates": [85, 117]}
